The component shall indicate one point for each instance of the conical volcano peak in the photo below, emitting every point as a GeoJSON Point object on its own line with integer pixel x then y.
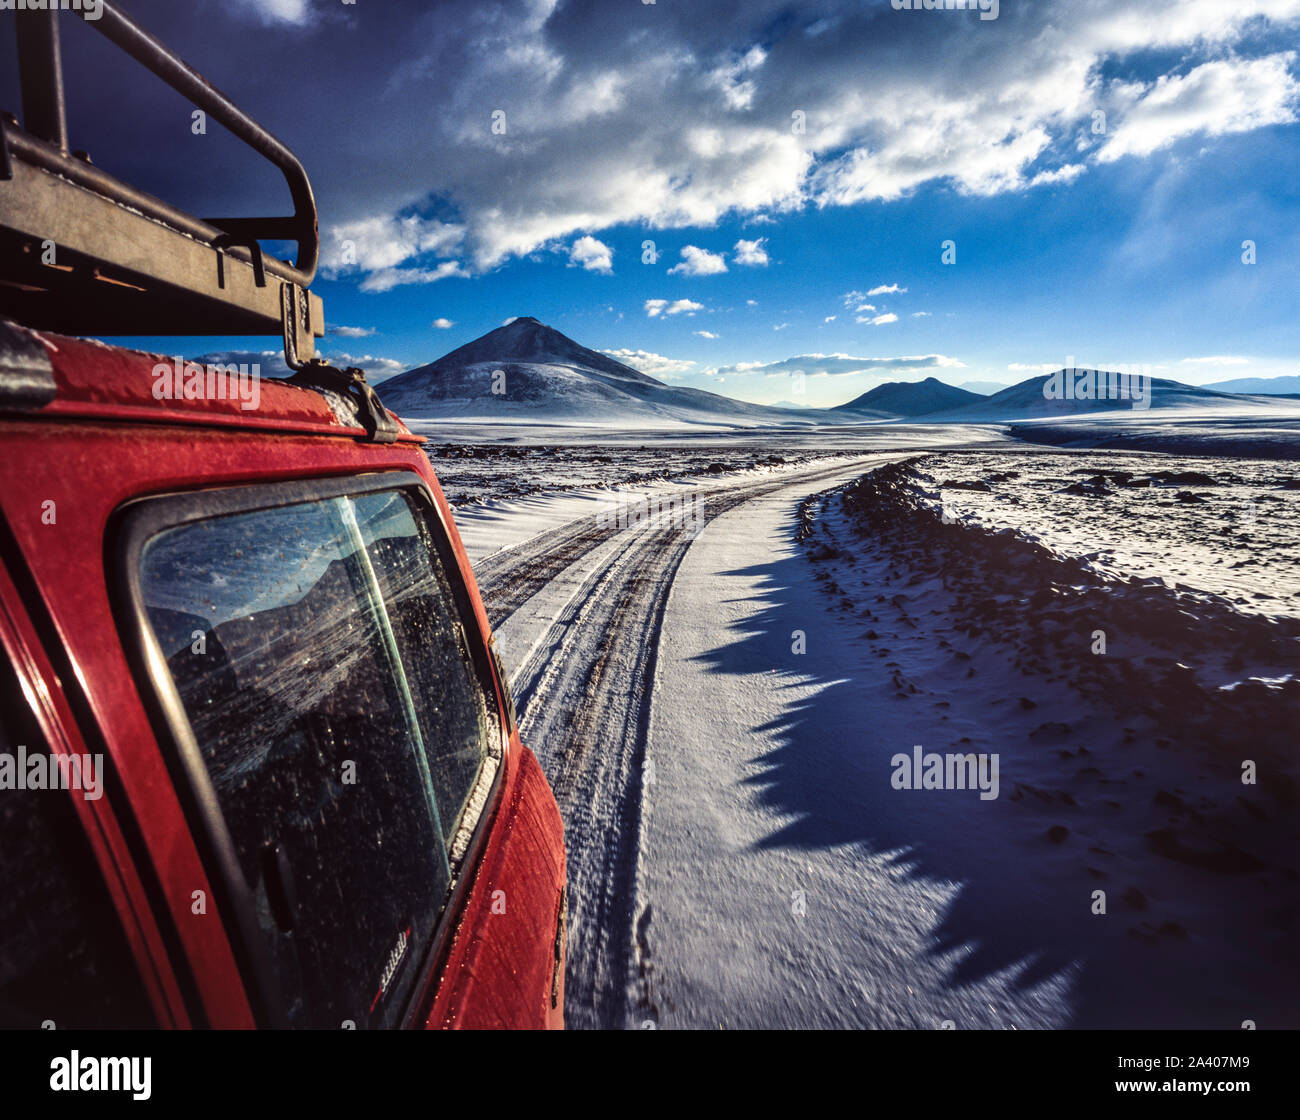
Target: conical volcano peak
{"type": "Point", "coordinates": [522, 324]}
{"type": "Point", "coordinates": [529, 340]}
{"type": "Point", "coordinates": [529, 371]}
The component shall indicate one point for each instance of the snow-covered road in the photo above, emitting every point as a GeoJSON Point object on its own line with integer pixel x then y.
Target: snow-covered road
{"type": "Point", "coordinates": [753, 911]}
{"type": "Point", "coordinates": [656, 680]}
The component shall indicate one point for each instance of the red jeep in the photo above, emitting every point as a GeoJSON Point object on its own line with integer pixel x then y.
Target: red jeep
{"type": "Point", "coordinates": [258, 757]}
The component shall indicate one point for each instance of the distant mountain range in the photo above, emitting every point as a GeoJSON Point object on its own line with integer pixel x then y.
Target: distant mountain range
{"type": "Point", "coordinates": [1045, 396]}
{"type": "Point", "coordinates": [528, 372]}
{"type": "Point", "coordinates": [1260, 386]}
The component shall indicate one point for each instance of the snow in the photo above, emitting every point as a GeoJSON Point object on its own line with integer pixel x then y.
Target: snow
{"type": "Point", "coordinates": [1246, 427]}
{"type": "Point", "coordinates": [526, 372]}
{"type": "Point", "coordinates": [771, 777]}
{"type": "Point", "coordinates": [499, 524]}
{"type": "Point", "coordinates": [1030, 399]}
{"type": "Point", "coordinates": [780, 879]}
{"type": "Point", "coordinates": [526, 375]}
{"type": "Point", "coordinates": [1226, 526]}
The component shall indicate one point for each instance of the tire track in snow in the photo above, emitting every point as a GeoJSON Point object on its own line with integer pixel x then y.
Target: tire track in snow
{"type": "Point", "coordinates": [583, 692]}
{"type": "Point", "coordinates": [509, 578]}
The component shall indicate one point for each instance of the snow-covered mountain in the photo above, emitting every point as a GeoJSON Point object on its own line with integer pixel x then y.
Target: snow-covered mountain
{"type": "Point", "coordinates": [526, 372]}
{"type": "Point", "coordinates": [529, 373]}
{"type": "Point", "coordinates": [908, 398]}
{"type": "Point", "coordinates": [1046, 396]}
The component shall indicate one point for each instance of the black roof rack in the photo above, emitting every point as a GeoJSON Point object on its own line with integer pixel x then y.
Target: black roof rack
{"type": "Point", "coordinates": [126, 263]}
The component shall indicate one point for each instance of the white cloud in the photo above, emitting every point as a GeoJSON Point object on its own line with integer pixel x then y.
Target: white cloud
{"type": "Point", "coordinates": [1020, 367]}
{"type": "Point", "coordinates": [656, 307]}
{"type": "Point", "coordinates": [1066, 174]}
{"type": "Point", "coordinates": [857, 301]}
{"type": "Point", "coordinates": [278, 11]}
{"type": "Point", "coordinates": [878, 320]}
{"type": "Point", "coordinates": [377, 243]}
{"type": "Point", "coordinates": [836, 365]}
{"type": "Point", "coordinates": [920, 314]}
{"type": "Point", "coordinates": [885, 290]}
{"type": "Point", "coordinates": [385, 279]}
{"type": "Point", "coordinates": [734, 81]}
{"type": "Point", "coordinates": [593, 255]}
{"type": "Point", "coordinates": [779, 326]}
{"type": "Point", "coordinates": [656, 365]}
{"type": "Point", "coordinates": [596, 139]}
{"type": "Point", "coordinates": [350, 332]}
{"type": "Point", "coordinates": [699, 262]}
{"type": "Point", "coordinates": [1224, 96]}
{"type": "Point", "coordinates": [1226, 360]}
{"type": "Point", "coordinates": [830, 318]}
{"type": "Point", "coordinates": [600, 94]}
{"type": "Point", "coordinates": [443, 324]}
{"type": "Point", "coordinates": [990, 141]}
{"type": "Point", "coordinates": [706, 334]}
{"type": "Point", "coordinates": [753, 253]}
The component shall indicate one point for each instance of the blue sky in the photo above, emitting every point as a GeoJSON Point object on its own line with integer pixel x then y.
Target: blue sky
{"type": "Point", "coordinates": [1097, 164]}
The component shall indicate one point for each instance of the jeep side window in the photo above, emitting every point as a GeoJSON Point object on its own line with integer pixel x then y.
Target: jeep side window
{"type": "Point", "coordinates": [319, 658]}
{"type": "Point", "coordinates": [64, 958]}
{"type": "Point", "coordinates": [449, 700]}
